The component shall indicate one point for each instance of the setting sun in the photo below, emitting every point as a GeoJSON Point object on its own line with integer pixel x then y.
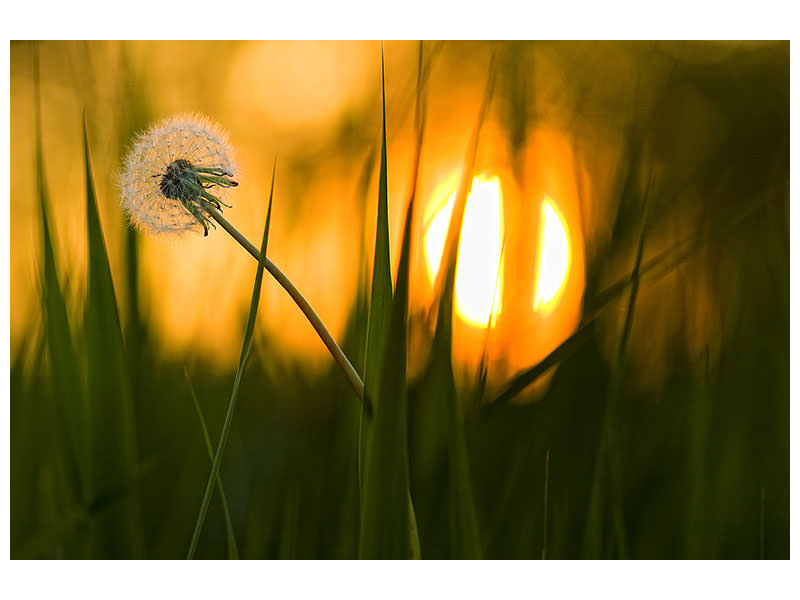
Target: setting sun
{"type": "Point", "coordinates": [479, 271]}
{"type": "Point", "coordinates": [479, 277]}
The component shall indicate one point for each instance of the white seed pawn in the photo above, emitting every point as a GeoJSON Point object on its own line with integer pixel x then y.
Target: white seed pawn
{"type": "Point", "coordinates": [175, 173]}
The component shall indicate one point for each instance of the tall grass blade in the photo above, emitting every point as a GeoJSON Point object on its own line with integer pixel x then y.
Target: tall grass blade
{"type": "Point", "coordinates": [651, 270]}
{"type": "Point", "coordinates": [438, 392]}
{"type": "Point", "coordinates": [68, 389]}
{"type": "Point", "coordinates": [439, 388]}
{"type": "Point", "coordinates": [700, 419]}
{"type": "Point", "coordinates": [420, 115]}
{"type": "Point", "coordinates": [386, 512]}
{"type": "Point", "coordinates": [23, 416]}
{"type": "Point", "coordinates": [563, 351]}
{"type": "Point", "coordinates": [380, 313]}
{"type": "Point", "coordinates": [546, 515]}
{"type": "Point", "coordinates": [289, 537]}
{"type": "Point", "coordinates": [608, 447]}
{"type": "Point", "coordinates": [233, 550]}
{"type": "Point", "coordinates": [445, 278]}
{"type": "Point", "coordinates": [380, 302]}
{"type": "Point", "coordinates": [117, 528]}
{"type": "Point", "coordinates": [248, 336]}
{"type": "Point", "coordinates": [761, 525]}
{"type": "Point", "coordinates": [133, 117]}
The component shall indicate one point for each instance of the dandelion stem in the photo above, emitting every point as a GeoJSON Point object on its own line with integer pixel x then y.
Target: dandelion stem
{"type": "Point", "coordinates": [300, 300]}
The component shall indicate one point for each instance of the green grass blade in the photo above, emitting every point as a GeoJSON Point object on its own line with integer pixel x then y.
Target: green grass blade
{"type": "Point", "coordinates": [380, 316]}
{"type": "Point", "coordinates": [608, 446]}
{"type": "Point", "coordinates": [700, 419]}
{"type": "Point", "coordinates": [248, 336]}
{"type": "Point", "coordinates": [289, 538]}
{"type": "Point", "coordinates": [761, 525]}
{"type": "Point", "coordinates": [386, 523]}
{"type": "Point", "coordinates": [420, 115]}
{"type": "Point", "coordinates": [445, 278]}
{"type": "Point", "coordinates": [380, 302]}
{"type": "Point", "coordinates": [233, 549]}
{"type": "Point", "coordinates": [651, 270]}
{"type": "Point", "coordinates": [563, 351]}
{"type": "Point", "coordinates": [68, 389]}
{"type": "Point", "coordinates": [438, 391]}
{"type": "Point", "coordinates": [415, 551]}
{"type": "Point", "coordinates": [545, 512]}
{"type": "Point", "coordinates": [117, 529]}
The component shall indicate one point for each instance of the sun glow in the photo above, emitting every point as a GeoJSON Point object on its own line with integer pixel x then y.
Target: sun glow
{"type": "Point", "coordinates": [479, 269]}
{"type": "Point", "coordinates": [519, 272]}
{"type": "Point", "coordinates": [554, 256]}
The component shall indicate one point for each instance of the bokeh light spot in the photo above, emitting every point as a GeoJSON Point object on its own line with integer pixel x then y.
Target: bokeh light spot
{"type": "Point", "coordinates": [479, 276]}
{"type": "Point", "coordinates": [554, 256]}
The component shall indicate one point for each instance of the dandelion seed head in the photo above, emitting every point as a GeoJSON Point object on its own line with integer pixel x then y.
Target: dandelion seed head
{"type": "Point", "coordinates": [175, 172]}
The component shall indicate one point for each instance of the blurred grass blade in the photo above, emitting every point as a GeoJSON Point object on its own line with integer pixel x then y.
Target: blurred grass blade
{"type": "Point", "coordinates": [445, 278]}
{"type": "Point", "coordinates": [380, 303]}
{"type": "Point", "coordinates": [608, 446]}
{"type": "Point", "coordinates": [117, 529]}
{"type": "Point", "coordinates": [415, 551]}
{"type": "Point", "coordinates": [438, 392]}
{"type": "Point", "coordinates": [563, 351]}
{"type": "Point", "coordinates": [761, 525]}
{"type": "Point", "coordinates": [420, 114]}
{"type": "Point", "coordinates": [289, 535]}
{"type": "Point", "coordinates": [651, 270]}
{"type": "Point", "coordinates": [248, 336]}
{"type": "Point", "coordinates": [545, 513]}
{"type": "Point", "coordinates": [386, 512]}
{"type": "Point", "coordinates": [233, 550]}
{"type": "Point", "coordinates": [68, 389]}
{"type": "Point", "coordinates": [700, 418]}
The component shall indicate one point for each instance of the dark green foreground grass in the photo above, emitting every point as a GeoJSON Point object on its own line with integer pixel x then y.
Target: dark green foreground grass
{"type": "Point", "coordinates": [109, 454]}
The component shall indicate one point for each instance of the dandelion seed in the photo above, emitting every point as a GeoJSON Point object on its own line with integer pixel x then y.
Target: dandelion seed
{"type": "Point", "coordinates": [175, 173]}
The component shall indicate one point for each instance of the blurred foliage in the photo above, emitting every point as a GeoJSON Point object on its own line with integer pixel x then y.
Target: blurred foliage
{"type": "Point", "coordinates": [698, 390]}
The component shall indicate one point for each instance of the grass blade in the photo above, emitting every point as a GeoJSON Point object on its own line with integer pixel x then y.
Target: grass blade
{"type": "Point", "coordinates": [761, 525]}
{"type": "Point", "coordinates": [445, 278]}
{"type": "Point", "coordinates": [563, 351]}
{"type": "Point", "coordinates": [233, 550]}
{"type": "Point", "coordinates": [545, 516]}
{"type": "Point", "coordinates": [68, 389]}
{"type": "Point", "coordinates": [380, 302]}
{"type": "Point", "coordinates": [438, 391]}
{"type": "Point", "coordinates": [117, 529]}
{"type": "Point", "coordinates": [441, 442]}
{"type": "Point", "coordinates": [287, 548]}
{"type": "Point", "coordinates": [651, 270]}
{"type": "Point", "coordinates": [386, 512]}
{"type": "Point", "coordinates": [608, 447]}
{"type": "Point", "coordinates": [248, 336]}
{"type": "Point", "coordinates": [378, 310]}
{"type": "Point", "coordinates": [420, 114]}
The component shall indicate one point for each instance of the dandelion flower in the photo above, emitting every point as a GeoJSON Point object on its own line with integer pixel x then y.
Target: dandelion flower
{"type": "Point", "coordinates": [175, 174]}
{"type": "Point", "coordinates": [176, 178]}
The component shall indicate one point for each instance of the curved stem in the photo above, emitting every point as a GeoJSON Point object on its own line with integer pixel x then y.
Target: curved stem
{"type": "Point", "coordinates": [300, 300]}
